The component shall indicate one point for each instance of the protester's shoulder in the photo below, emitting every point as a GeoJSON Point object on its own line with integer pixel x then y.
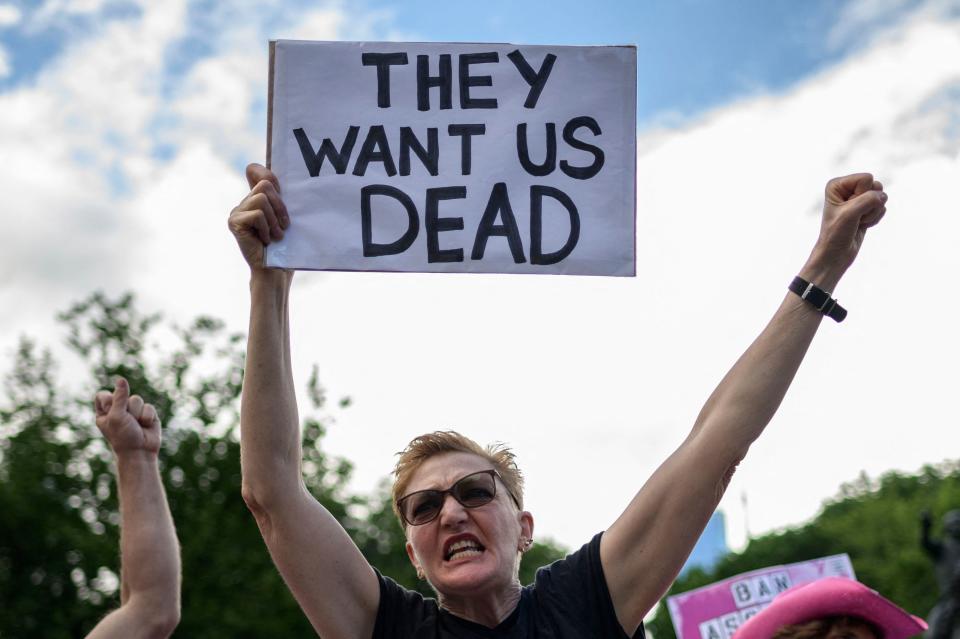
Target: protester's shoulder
{"type": "Point", "coordinates": [572, 592]}
{"type": "Point", "coordinates": [584, 560]}
{"type": "Point", "coordinates": [401, 611]}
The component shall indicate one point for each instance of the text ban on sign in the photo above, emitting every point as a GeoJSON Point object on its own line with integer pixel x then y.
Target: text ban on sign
{"type": "Point", "coordinates": [483, 158]}
{"type": "Point", "coordinates": [718, 610]}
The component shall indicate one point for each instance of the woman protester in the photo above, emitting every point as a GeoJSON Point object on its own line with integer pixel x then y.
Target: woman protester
{"type": "Point", "coordinates": [462, 506]}
{"type": "Point", "coordinates": [831, 608]}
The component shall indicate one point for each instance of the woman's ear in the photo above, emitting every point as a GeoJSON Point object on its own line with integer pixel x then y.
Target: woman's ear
{"type": "Point", "coordinates": [413, 560]}
{"type": "Point", "coordinates": [526, 531]}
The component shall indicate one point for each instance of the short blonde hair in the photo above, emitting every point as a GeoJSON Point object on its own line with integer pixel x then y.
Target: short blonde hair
{"type": "Point", "coordinates": [422, 448]}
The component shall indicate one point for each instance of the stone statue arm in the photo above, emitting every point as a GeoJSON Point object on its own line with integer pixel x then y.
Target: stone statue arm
{"type": "Point", "coordinates": [933, 547]}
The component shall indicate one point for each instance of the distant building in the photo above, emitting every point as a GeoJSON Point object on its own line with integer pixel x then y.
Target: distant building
{"type": "Point", "coordinates": [711, 546]}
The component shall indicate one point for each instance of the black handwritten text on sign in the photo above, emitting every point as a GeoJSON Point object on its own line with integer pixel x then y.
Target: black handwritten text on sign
{"type": "Point", "coordinates": [455, 157]}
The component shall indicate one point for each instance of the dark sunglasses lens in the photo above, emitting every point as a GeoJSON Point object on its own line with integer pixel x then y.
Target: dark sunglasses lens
{"type": "Point", "coordinates": [421, 507]}
{"type": "Point", "coordinates": [475, 490]}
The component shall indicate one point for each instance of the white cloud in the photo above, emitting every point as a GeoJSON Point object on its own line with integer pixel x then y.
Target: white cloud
{"type": "Point", "coordinates": [863, 23]}
{"type": "Point", "coordinates": [71, 17]}
{"type": "Point", "coordinates": [85, 130]}
{"type": "Point", "coordinates": [71, 131]}
{"type": "Point", "coordinates": [9, 15]}
{"type": "Point", "coordinates": [860, 20]}
{"type": "Point", "coordinates": [215, 101]}
{"type": "Point", "coordinates": [219, 99]}
{"type": "Point", "coordinates": [5, 68]}
{"type": "Point", "coordinates": [75, 7]}
{"type": "Point", "coordinates": [322, 24]}
{"type": "Point", "coordinates": [52, 9]}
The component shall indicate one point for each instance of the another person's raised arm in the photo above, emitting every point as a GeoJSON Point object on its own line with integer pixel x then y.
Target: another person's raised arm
{"type": "Point", "coordinates": [643, 551]}
{"type": "Point", "coordinates": [149, 555]}
{"type": "Point", "coordinates": [325, 571]}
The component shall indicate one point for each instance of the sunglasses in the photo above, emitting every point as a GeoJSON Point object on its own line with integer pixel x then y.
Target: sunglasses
{"type": "Point", "coordinates": [471, 491]}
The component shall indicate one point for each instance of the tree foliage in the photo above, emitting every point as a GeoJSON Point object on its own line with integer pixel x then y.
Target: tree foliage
{"type": "Point", "coordinates": [875, 521]}
{"type": "Point", "coordinates": [59, 530]}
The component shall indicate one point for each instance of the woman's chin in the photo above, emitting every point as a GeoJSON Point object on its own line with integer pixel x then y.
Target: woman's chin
{"type": "Point", "coordinates": [464, 575]}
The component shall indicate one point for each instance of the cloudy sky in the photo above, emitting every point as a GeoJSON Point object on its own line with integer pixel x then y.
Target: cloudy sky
{"type": "Point", "coordinates": [124, 127]}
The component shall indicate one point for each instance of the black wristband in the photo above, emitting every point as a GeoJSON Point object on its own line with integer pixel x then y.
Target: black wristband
{"type": "Point", "coordinates": [818, 298]}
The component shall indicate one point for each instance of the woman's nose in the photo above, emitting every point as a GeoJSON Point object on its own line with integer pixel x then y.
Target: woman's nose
{"type": "Point", "coordinates": [452, 512]}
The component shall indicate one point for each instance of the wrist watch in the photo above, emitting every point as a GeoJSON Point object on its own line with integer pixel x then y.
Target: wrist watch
{"type": "Point", "coordinates": [818, 298]}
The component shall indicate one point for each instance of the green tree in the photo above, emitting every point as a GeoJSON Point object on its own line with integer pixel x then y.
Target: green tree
{"type": "Point", "coordinates": [59, 524]}
{"type": "Point", "coordinates": [875, 521]}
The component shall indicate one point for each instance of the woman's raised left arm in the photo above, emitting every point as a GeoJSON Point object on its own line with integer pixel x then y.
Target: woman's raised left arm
{"type": "Point", "coordinates": [644, 549]}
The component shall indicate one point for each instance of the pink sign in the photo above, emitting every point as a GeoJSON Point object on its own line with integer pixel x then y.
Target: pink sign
{"type": "Point", "coordinates": [717, 610]}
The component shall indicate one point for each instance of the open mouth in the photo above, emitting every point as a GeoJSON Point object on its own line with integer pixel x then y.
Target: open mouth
{"type": "Point", "coordinates": [462, 548]}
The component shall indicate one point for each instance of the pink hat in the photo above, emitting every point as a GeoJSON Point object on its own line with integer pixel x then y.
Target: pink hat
{"type": "Point", "coordinates": [831, 597]}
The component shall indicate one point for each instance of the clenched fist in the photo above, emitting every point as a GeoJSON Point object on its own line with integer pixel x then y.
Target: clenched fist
{"type": "Point", "coordinates": [852, 204]}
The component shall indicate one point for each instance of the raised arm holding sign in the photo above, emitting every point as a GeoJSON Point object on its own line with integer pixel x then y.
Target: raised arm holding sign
{"type": "Point", "coordinates": [462, 505]}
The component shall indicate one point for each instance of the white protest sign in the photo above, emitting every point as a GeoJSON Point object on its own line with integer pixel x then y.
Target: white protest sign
{"type": "Point", "coordinates": [482, 158]}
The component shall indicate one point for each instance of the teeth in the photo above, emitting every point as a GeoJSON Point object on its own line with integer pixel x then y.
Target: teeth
{"type": "Point", "coordinates": [464, 548]}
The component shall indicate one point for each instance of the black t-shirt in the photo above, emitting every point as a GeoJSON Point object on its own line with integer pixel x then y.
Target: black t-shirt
{"type": "Point", "coordinates": [567, 600]}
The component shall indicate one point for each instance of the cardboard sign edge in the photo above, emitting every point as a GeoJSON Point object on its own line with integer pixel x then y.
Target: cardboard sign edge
{"type": "Point", "coordinates": [273, 48]}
